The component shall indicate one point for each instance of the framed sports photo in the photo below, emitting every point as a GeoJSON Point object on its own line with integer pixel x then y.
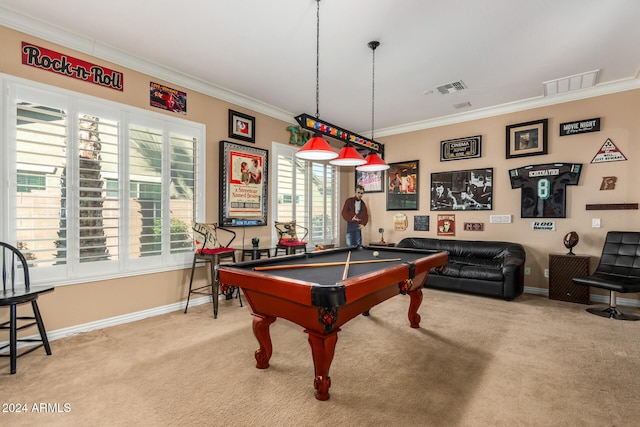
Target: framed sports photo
{"type": "Point", "coordinates": [242, 126]}
{"type": "Point", "coordinates": [527, 139]}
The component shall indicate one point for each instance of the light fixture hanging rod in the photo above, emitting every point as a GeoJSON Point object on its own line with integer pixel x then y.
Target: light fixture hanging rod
{"type": "Point", "coordinates": [317, 59]}
{"type": "Point", "coordinates": [373, 45]}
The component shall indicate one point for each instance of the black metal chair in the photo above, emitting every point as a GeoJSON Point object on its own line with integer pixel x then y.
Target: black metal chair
{"type": "Point", "coordinates": [17, 290]}
{"type": "Point", "coordinates": [618, 271]}
{"type": "Point", "coordinates": [288, 240]}
{"type": "Point", "coordinates": [210, 251]}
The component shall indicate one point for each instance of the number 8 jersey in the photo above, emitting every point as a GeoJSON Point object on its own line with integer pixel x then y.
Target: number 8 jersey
{"type": "Point", "coordinates": [544, 188]}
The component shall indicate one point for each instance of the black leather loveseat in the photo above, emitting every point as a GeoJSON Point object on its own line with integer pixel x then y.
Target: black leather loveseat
{"type": "Point", "coordinates": [480, 267]}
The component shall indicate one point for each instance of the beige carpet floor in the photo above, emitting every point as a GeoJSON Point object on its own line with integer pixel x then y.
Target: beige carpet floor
{"type": "Point", "coordinates": [475, 362]}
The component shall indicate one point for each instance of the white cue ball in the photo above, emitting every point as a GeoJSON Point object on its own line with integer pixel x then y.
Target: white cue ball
{"type": "Point", "coordinates": [376, 253]}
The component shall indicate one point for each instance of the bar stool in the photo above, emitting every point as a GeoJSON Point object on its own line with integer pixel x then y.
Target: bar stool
{"type": "Point", "coordinates": [210, 250]}
{"type": "Point", "coordinates": [288, 240]}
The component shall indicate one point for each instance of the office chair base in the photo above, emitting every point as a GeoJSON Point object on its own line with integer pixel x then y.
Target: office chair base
{"type": "Point", "coordinates": [612, 313]}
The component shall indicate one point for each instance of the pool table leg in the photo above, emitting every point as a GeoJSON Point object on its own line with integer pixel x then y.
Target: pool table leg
{"type": "Point", "coordinates": [414, 305]}
{"type": "Point", "coordinates": [261, 331]}
{"type": "Point", "coordinates": [322, 349]}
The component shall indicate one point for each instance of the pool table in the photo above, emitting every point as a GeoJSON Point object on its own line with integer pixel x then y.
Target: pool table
{"type": "Point", "coordinates": [318, 292]}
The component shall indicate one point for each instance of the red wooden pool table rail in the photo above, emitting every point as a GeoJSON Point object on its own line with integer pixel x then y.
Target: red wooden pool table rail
{"type": "Point", "coordinates": [271, 296]}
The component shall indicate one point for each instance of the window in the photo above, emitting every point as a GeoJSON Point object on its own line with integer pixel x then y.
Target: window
{"type": "Point", "coordinates": [97, 189]}
{"type": "Point", "coordinates": [306, 192]}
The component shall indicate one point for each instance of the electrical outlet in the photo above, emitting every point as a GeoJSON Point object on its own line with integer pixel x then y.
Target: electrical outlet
{"type": "Point", "coordinates": [595, 223]}
{"type": "Point", "coordinates": [546, 272]}
{"type": "Point", "coordinates": [527, 271]}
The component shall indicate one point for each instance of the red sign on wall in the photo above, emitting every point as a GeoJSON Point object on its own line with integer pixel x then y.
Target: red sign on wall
{"type": "Point", "coordinates": [58, 63]}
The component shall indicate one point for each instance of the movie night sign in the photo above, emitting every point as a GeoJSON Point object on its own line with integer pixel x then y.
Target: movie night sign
{"type": "Point", "coordinates": [69, 66]}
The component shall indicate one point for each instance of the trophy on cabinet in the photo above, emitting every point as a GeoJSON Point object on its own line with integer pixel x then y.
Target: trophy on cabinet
{"type": "Point", "coordinates": [570, 240]}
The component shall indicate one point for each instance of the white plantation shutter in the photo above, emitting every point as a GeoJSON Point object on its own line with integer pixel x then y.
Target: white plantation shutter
{"type": "Point", "coordinates": [95, 189]}
{"type": "Point", "coordinates": [306, 192]}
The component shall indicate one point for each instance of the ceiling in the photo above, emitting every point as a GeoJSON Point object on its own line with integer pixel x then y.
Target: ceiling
{"type": "Point", "coordinates": [262, 54]}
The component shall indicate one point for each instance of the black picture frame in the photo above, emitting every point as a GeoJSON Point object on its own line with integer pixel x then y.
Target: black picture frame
{"type": "Point", "coordinates": [402, 186]}
{"type": "Point", "coordinates": [243, 185]}
{"type": "Point", "coordinates": [242, 126]}
{"type": "Point", "coordinates": [461, 148]}
{"type": "Point", "coordinates": [470, 190]}
{"type": "Point", "coordinates": [372, 181]}
{"type": "Point", "coordinates": [527, 139]}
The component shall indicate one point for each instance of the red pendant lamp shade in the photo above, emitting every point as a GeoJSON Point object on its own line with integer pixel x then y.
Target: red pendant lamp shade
{"type": "Point", "coordinates": [348, 156]}
{"type": "Point", "coordinates": [316, 149]}
{"type": "Point", "coordinates": [374, 163]}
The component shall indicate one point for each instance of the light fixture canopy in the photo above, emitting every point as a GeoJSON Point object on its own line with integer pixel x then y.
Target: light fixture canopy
{"type": "Point", "coordinates": [374, 162]}
{"type": "Point", "coordinates": [348, 156]}
{"type": "Point", "coordinates": [317, 148]}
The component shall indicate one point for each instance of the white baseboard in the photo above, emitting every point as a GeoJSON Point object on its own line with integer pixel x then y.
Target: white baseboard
{"type": "Point", "coordinates": [599, 299]}
{"type": "Point", "coordinates": [113, 321]}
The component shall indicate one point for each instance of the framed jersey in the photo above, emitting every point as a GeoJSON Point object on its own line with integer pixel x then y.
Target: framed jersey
{"type": "Point", "coordinates": [543, 188]}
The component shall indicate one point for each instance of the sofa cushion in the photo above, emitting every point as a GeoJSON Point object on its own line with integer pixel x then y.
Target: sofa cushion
{"type": "Point", "coordinates": [470, 271]}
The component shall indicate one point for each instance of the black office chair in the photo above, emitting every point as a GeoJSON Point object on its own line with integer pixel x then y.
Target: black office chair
{"type": "Point", "coordinates": [210, 251]}
{"type": "Point", "coordinates": [618, 271]}
{"type": "Point", "coordinates": [17, 290]}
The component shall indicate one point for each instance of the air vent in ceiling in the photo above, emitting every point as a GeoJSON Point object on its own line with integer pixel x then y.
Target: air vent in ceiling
{"type": "Point", "coordinates": [571, 83]}
{"type": "Point", "coordinates": [462, 105]}
{"type": "Point", "coordinates": [451, 87]}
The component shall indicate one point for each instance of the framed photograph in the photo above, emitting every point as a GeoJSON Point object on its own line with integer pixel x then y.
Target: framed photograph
{"type": "Point", "coordinates": [243, 185]}
{"type": "Point", "coordinates": [402, 186]}
{"type": "Point", "coordinates": [373, 182]}
{"type": "Point", "coordinates": [461, 148]}
{"type": "Point", "coordinates": [242, 126]}
{"type": "Point", "coordinates": [470, 190]}
{"type": "Point", "coordinates": [527, 139]}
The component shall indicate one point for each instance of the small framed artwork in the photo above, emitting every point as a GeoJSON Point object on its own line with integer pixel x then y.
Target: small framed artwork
{"type": "Point", "coordinates": [446, 225]}
{"type": "Point", "coordinates": [402, 186]}
{"type": "Point", "coordinates": [372, 181]}
{"type": "Point", "coordinates": [242, 126]}
{"type": "Point", "coordinates": [527, 139]}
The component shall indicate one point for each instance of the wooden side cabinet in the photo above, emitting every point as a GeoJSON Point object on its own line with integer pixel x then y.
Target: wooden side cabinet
{"type": "Point", "coordinates": [562, 268]}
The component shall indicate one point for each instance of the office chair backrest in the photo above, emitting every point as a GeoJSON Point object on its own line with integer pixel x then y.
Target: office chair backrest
{"type": "Point", "coordinates": [621, 254]}
{"type": "Point", "coordinates": [12, 262]}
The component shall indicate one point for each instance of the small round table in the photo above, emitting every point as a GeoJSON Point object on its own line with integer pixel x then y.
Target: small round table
{"type": "Point", "coordinates": [255, 252]}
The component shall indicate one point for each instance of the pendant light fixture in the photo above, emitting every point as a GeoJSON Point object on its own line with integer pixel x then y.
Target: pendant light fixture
{"type": "Point", "coordinates": [373, 161]}
{"type": "Point", "coordinates": [348, 156]}
{"type": "Point", "coordinates": [317, 148]}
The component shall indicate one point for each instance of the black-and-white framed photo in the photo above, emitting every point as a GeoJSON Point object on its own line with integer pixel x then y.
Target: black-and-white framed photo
{"type": "Point", "coordinates": [242, 126]}
{"type": "Point", "coordinates": [243, 185]}
{"type": "Point", "coordinates": [527, 139]}
{"type": "Point", "coordinates": [372, 181]}
{"type": "Point", "coordinates": [402, 186]}
{"type": "Point", "coordinates": [470, 190]}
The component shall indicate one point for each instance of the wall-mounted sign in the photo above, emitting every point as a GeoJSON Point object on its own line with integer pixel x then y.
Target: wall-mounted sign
{"type": "Point", "coordinates": [421, 223]}
{"type": "Point", "coordinates": [543, 225]}
{"type": "Point", "coordinates": [461, 148]}
{"type": "Point", "coordinates": [166, 98]}
{"type": "Point", "coordinates": [581, 126]}
{"type": "Point", "coordinates": [608, 153]}
{"type": "Point", "coordinates": [400, 222]}
{"type": "Point", "coordinates": [446, 225]}
{"type": "Point", "coordinates": [608, 182]}
{"type": "Point", "coordinates": [473, 226]}
{"type": "Point", "coordinates": [59, 63]}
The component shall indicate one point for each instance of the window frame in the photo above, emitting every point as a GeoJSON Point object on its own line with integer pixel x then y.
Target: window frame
{"type": "Point", "coordinates": [15, 89]}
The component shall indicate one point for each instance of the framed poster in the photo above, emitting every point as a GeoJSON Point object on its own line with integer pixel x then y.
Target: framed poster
{"type": "Point", "coordinates": [243, 185]}
{"type": "Point", "coordinates": [446, 225]}
{"type": "Point", "coordinates": [402, 186]}
{"type": "Point", "coordinates": [461, 148]}
{"type": "Point", "coordinates": [371, 181]}
{"type": "Point", "coordinates": [242, 126]}
{"type": "Point", "coordinates": [527, 139]}
{"type": "Point", "coordinates": [470, 190]}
